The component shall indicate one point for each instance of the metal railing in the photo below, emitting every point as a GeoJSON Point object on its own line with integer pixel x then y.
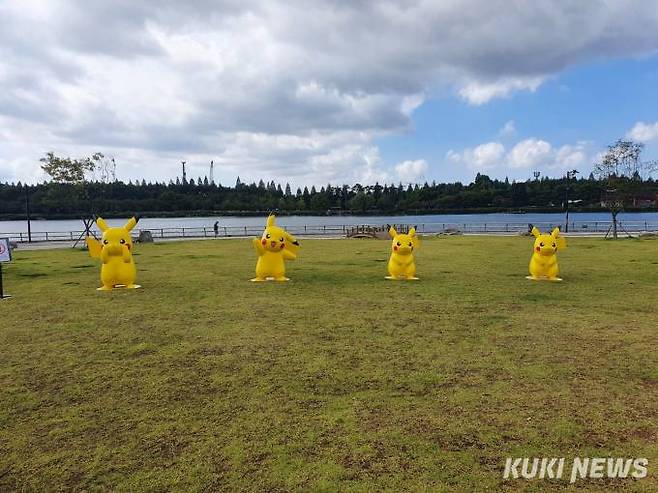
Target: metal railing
{"type": "Point", "coordinates": [593, 227]}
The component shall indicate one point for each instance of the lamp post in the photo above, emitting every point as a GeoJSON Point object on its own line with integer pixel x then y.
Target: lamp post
{"type": "Point", "coordinates": [27, 213]}
{"type": "Point", "coordinates": [570, 174]}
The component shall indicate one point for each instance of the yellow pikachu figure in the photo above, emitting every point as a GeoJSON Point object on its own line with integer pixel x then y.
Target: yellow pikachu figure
{"type": "Point", "coordinates": [115, 252]}
{"type": "Point", "coordinates": [543, 264]}
{"type": "Point", "coordinates": [402, 264]}
{"type": "Point", "coordinates": [273, 249]}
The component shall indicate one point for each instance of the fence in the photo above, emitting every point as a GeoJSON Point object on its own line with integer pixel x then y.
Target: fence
{"type": "Point", "coordinates": [593, 227]}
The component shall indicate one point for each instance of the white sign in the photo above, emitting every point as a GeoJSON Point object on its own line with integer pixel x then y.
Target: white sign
{"type": "Point", "coordinates": [5, 250]}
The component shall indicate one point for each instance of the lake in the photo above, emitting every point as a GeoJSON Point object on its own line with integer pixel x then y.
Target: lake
{"type": "Point", "coordinates": [295, 222]}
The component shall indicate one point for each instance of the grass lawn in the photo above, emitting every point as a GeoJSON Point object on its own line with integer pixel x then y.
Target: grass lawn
{"type": "Point", "coordinates": [336, 381]}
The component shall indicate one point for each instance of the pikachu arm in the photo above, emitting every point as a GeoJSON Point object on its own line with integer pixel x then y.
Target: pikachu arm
{"type": "Point", "coordinates": [258, 246]}
{"type": "Point", "coordinates": [126, 255]}
{"type": "Point", "coordinates": [105, 257]}
{"type": "Point", "coordinates": [288, 255]}
{"type": "Point", "coordinates": [94, 246]}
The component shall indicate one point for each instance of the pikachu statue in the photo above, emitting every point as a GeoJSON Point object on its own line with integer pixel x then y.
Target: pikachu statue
{"type": "Point", "coordinates": [273, 249]}
{"type": "Point", "coordinates": [115, 252]}
{"type": "Point", "coordinates": [543, 264]}
{"type": "Point", "coordinates": [402, 265]}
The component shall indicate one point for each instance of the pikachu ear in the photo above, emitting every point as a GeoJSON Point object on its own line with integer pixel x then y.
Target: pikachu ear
{"type": "Point", "coordinates": [412, 232]}
{"type": "Point", "coordinates": [293, 245]}
{"type": "Point", "coordinates": [392, 233]}
{"type": "Point", "coordinates": [271, 220]}
{"type": "Point", "coordinates": [561, 242]}
{"type": "Point", "coordinates": [535, 232]}
{"type": "Point", "coordinates": [555, 233]}
{"type": "Point", "coordinates": [132, 222]}
{"type": "Point", "coordinates": [102, 224]}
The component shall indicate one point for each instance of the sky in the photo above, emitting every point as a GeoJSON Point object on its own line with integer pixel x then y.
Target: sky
{"type": "Point", "coordinates": [316, 92]}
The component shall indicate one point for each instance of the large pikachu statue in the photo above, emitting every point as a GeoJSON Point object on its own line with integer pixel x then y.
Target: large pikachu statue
{"type": "Point", "coordinates": [543, 263]}
{"type": "Point", "coordinates": [402, 265]}
{"type": "Point", "coordinates": [273, 249]}
{"type": "Point", "coordinates": [115, 252]}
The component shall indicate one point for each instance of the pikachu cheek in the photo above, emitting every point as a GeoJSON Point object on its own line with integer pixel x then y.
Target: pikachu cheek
{"type": "Point", "coordinates": [263, 242]}
{"type": "Point", "coordinates": [538, 249]}
{"type": "Point", "coordinates": [395, 248]}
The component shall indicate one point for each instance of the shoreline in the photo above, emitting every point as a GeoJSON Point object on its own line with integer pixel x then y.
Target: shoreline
{"type": "Point", "coordinates": [64, 244]}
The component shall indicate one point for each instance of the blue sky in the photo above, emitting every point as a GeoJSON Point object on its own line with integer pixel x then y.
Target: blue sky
{"type": "Point", "coordinates": [316, 91]}
{"type": "Point", "coordinates": [597, 102]}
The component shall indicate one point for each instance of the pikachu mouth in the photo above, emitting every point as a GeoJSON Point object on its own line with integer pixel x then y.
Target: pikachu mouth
{"type": "Point", "coordinates": [546, 250]}
{"type": "Point", "coordinates": [114, 250]}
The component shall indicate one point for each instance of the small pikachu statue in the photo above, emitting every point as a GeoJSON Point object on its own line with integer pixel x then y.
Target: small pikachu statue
{"type": "Point", "coordinates": [115, 252]}
{"type": "Point", "coordinates": [402, 264]}
{"type": "Point", "coordinates": [273, 249]}
{"type": "Point", "coordinates": [543, 264]}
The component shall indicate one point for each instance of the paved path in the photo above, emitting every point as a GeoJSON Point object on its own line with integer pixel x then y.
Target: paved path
{"type": "Point", "coordinates": [52, 245]}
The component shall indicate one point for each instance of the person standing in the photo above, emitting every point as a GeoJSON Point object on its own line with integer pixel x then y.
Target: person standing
{"type": "Point", "coordinates": [216, 228]}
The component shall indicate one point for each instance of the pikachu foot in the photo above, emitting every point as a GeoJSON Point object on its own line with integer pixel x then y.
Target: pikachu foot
{"type": "Point", "coordinates": [413, 278]}
{"type": "Point", "coordinates": [105, 288]}
{"type": "Point", "coordinates": [258, 279]}
{"type": "Point", "coordinates": [281, 279]}
{"type": "Point", "coordinates": [133, 286]}
{"type": "Point", "coordinates": [550, 279]}
{"type": "Point", "coordinates": [394, 278]}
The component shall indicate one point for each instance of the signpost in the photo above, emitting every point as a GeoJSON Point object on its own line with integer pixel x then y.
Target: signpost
{"type": "Point", "coordinates": [5, 256]}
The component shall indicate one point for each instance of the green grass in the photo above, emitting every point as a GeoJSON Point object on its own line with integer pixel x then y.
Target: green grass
{"type": "Point", "coordinates": [337, 381]}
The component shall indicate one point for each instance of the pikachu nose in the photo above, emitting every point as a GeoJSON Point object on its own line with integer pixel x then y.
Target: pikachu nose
{"type": "Point", "coordinates": [114, 249]}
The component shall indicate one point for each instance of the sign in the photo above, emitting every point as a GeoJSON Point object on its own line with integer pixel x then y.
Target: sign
{"type": "Point", "coordinates": [5, 250]}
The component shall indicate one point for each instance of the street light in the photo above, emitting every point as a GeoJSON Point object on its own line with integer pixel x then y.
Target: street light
{"type": "Point", "coordinates": [570, 175]}
{"type": "Point", "coordinates": [27, 213]}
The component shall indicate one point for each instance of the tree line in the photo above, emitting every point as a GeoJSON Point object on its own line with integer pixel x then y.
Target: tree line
{"type": "Point", "coordinates": [87, 186]}
{"type": "Point", "coordinates": [71, 200]}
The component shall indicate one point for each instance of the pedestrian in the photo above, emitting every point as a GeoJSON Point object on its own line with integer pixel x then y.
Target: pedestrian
{"type": "Point", "coordinates": [216, 228]}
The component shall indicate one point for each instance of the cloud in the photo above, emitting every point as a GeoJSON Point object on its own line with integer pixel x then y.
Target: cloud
{"type": "Point", "coordinates": [530, 153]}
{"type": "Point", "coordinates": [643, 132]}
{"type": "Point", "coordinates": [478, 93]}
{"type": "Point", "coordinates": [320, 82]}
{"type": "Point", "coordinates": [508, 129]}
{"type": "Point", "coordinates": [535, 154]}
{"type": "Point", "coordinates": [481, 158]}
{"type": "Point", "coordinates": [411, 171]}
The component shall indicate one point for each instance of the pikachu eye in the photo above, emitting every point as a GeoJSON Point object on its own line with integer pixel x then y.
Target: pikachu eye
{"type": "Point", "coordinates": [541, 244]}
{"type": "Point", "coordinates": [123, 242]}
{"type": "Point", "coordinates": [399, 244]}
{"type": "Point", "coordinates": [268, 236]}
{"type": "Point", "coordinates": [105, 242]}
{"type": "Point", "coordinates": [281, 239]}
{"type": "Point", "coordinates": [411, 244]}
{"type": "Point", "coordinates": [553, 245]}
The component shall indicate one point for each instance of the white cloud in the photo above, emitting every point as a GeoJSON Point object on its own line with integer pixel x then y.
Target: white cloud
{"type": "Point", "coordinates": [481, 158]}
{"type": "Point", "coordinates": [411, 171]}
{"type": "Point", "coordinates": [570, 157]}
{"type": "Point", "coordinates": [530, 153]}
{"type": "Point", "coordinates": [643, 132]}
{"type": "Point", "coordinates": [508, 129]}
{"type": "Point", "coordinates": [525, 156]}
{"type": "Point", "coordinates": [478, 93]}
{"type": "Point", "coordinates": [280, 90]}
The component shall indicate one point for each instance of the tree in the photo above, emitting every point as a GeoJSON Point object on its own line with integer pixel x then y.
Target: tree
{"type": "Point", "coordinates": [622, 171]}
{"type": "Point", "coordinates": [67, 170]}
